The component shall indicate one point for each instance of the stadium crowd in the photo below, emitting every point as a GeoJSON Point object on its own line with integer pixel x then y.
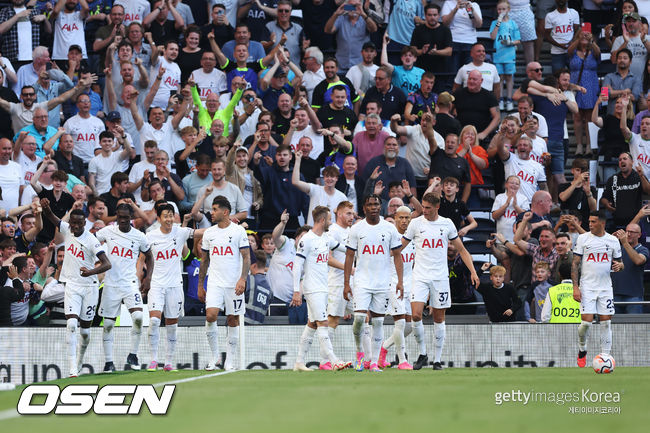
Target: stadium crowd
{"type": "Point", "coordinates": [285, 105]}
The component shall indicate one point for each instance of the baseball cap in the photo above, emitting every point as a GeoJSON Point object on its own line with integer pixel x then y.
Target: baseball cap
{"type": "Point", "coordinates": [75, 47]}
{"type": "Point", "coordinates": [113, 116]}
{"type": "Point", "coordinates": [242, 149]}
{"type": "Point", "coordinates": [280, 73]}
{"type": "Point", "coordinates": [633, 15]}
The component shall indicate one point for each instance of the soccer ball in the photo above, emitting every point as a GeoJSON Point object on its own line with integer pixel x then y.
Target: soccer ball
{"type": "Point", "coordinates": [603, 363]}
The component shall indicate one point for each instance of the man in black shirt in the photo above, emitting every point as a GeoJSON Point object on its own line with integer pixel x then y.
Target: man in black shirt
{"type": "Point", "coordinates": [579, 194]}
{"type": "Point", "coordinates": [623, 193]}
{"type": "Point", "coordinates": [392, 98]}
{"type": "Point", "coordinates": [309, 167]}
{"type": "Point", "coordinates": [447, 163]}
{"type": "Point", "coordinates": [68, 162]}
{"type": "Point", "coordinates": [60, 203]}
{"type": "Point", "coordinates": [477, 106]}
{"type": "Point", "coordinates": [119, 185]}
{"type": "Point", "coordinates": [336, 113]}
{"type": "Point", "coordinates": [432, 40]}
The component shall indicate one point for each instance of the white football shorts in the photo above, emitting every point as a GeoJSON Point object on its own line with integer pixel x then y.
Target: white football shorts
{"type": "Point", "coordinates": [169, 300]}
{"type": "Point", "coordinates": [81, 301]}
{"type": "Point", "coordinates": [112, 298]}
{"type": "Point", "coordinates": [436, 291]}
{"type": "Point", "coordinates": [225, 300]}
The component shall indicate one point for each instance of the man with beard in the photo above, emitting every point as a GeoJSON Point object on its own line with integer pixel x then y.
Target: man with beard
{"type": "Point", "coordinates": [69, 27]}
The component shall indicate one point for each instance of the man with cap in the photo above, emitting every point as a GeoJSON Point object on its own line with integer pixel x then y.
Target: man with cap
{"type": "Point", "coordinates": [362, 75]}
{"type": "Point", "coordinates": [75, 63]}
{"type": "Point", "coordinates": [635, 41]}
{"type": "Point", "coordinates": [113, 123]}
{"type": "Point", "coordinates": [275, 82]}
{"type": "Point", "coordinates": [68, 23]}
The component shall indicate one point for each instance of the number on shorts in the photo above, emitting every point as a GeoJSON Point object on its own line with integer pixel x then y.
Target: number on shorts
{"type": "Point", "coordinates": [90, 310]}
{"type": "Point", "coordinates": [137, 298]}
{"type": "Point", "coordinates": [237, 303]}
{"type": "Point", "coordinates": [443, 297]}
{"type": "Point", "coordinates": [610, 304]}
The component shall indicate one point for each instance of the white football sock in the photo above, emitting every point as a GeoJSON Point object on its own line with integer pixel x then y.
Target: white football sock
{"type": "Point", "coordinates": [357, 326]}
{"type": "Point", "coordinates": [418, 332]}
{"type": "Point", "coordinates": [408, 328]}
{"type": "Point", "coordinates": [398, 337]}
{"type": "Point", "coordinates": [305, 343]}
{"type": "Point", "coordinates": [377, 337]}
{"type": "Point", "coordinates": [211, 332]}
{"type": "Point", "coordinates": [136, 331]}
{"type": "Point", "coordinates": [606, 336]}
{"type": "Point", "coordinates": [439, 332]}
{"type": "Point", "coordinates": [366, 341]}
{"type": "Point", "coordinates": [107, 339]}
{"type": "Point", "coordinates": [326, 351]}
{"type": "Point", "coordinates": [85, 340]}
{"type": "Point", "coordinates": [390, 340]}
{"type": "Point", "coordinates": [154, 336]}
{"type": "Point", "coordinates": [232, 343]}
{"type": "Point", "coordinates": [583, 334]}
{"type": "Point", "coordinates": [171, 343]}
{"type": "Point", "coordinates": [71, 340]}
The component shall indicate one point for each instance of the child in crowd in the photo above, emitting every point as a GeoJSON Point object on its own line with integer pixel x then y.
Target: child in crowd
{"type": "Point", "coordinates": [501, 300]}
{"type": "Point", "coordinates": [453, 208]}
{"type": "Point", "coordinates": [268, 247]}
{"type": "Point", "coordinates": [539, 289]}
{"type": "Point", "coordinates": [505, 34]}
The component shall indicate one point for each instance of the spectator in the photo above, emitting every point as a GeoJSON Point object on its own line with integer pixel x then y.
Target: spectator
{"type": "Point", "coordinates": [336, 112]}
{"type": "Point", "coordinates": [27, 74]}
{"type": "Point", "coordinates": [362, 74]}
{"type": "Point", "coordinates": [224, 33]}
{"type": "Point", "coordinates": [507, 206]}
{"type": "Point", "coordinates": [186, 157]}
{"type": "Point", "coordinates": [540, 208]}
{"type": "Point", "coordinates": [242, 36]}
{"type": "Point", "coordinates": [405, 76]}
{"type": "Point", "coordinates": [275, 83]}
{"type": "Point", "coordinates": [118, 191]}
{"type": "Point", "coordinates": [477, 106]}
{"type": "Point", "coordinates": [623, 193]}
{"type": "Point", "coordinates": [392, 99]}
{"type": "Point", "coordinates": [522, 15]}
{"type": "Point", "coordinates": [373, 107]}
{"type": "Point", "coordinates": [25, 269]}
{"type": "Point", "coordinates": [579, 194]}
{"type": "Point", "coordinates": [535, 302]}
{"type": "Point", "coordinates": [622, 82]}
{"type": "Point", "coordinates": [189, 57]}
{"type": "Point", "coordinates": [639, 143]}
{"type": "Point", "coordinates": [405, 15]}
{"type": "Point", "coordinates": [453, 208]}
{"type": "Point", "coordinates": [352, 33]}
{"type": "Point", "coordinates": [351, 184]}
{"type": "Point", "coordinates": [369, 143]}
{"type": "Point", "coordinates": [505, 34]}
{"type": "Point", "coordinates": [68, 23]}
{"type": "Point", "coordinates": [314, 73]}
{"type": "Point", "coordinates": [106, 163]}
{"type": "Point", "coordinates": [488, 72]}
{"type": "Point", "coordinates": [561, 27]}
{"type": "Point", "coordinates": [145, 51]}
{"type": "Point", "coordinates": [134, 10]}
{"type": "Point", "coordinates": [636, 126]}
{"type": "Point", "coordinates": [239, 174]}
{"type": "Point", "coordinates": [208, 78]}
{"type": "Point", "coordinates": [628, 284]}
{"type": "Point", "coordinates": [432, 41]}
{"type": "Point", "coordinates": [520, 164]}
{"type": "Point", "coordinates": [323, 91]}
{"type": "Point", "coordinates": [421, 100]}
{"type": "Point", "coordinates": [533, 73]}
{"type": "Point", "coordinates": [46, 89]}
{"type": "Point", "coordinates": [392, 168]}
{"type": "Point", "coordinates": [446, 123]}
{"type": "Point", "coordinates": [283, 28]}
{"type": "Point", "coordinates": [501, 300]}
{"type": "Point", "coordinates": [157, 128]}
{"type": "Point", "coordinates": [584, 57]}
{"type": "Point", "coordinates": [462, 18]}
{"type": "Point", "coordinates": [60, 203]}
{"type": "Point", "coordinates": [279, 194]}
{"type": "Point", "coordinates": [635, 40]}
{"type": "Point", "coordinates": [96, 104]}
{"type": "Point", "coordinates": [525, 107]}
{"type": "Point", "coordinates": [11, 179]}
{"type": "Point", "coordinates": [67, 160]}
{"type": "Point", "coordinates": [420, 142]}
{"type": "Point", "coordinates": [309, 167]}
{"type": "Point", "coordinates": [25, 155]}
{"type": "Point", "coordinates": [47, 137]}
{"type": "Point", "coordinates": [163, 29]}
{"type": "Point", "coordinates": [140, 170]}
{"type": "Point", "coordinates": [194, 181]}
{"type": "Point", "coordinates": [615, 142]}
{"type": "Point", "coordinates": [170, 182]}
{"type": "Point", "coordinates": [460, 283]}
{"type": "Point", "coordinates": [171, 74]}
{"type": "Point", "coordinates": [105, 35]}
{"type": "Point", "coordinates": [7, 94]}
{"type": "Point", "coordinates": [476, 156]}
{"type": "Point", "coordinates": [336, 147]}
{"type": "Point", "coordinates": [326, 195]}
{"type": "Point", "coordinates": [545, 251]}
{"type": "Point", "coordinates": [563, 246]}
{"type": "Point", "coordinates": [305, 123]}
{"type": "Point", "coordinates": [84, 129]}
{"type": "Point", "coordinates": [221, 187]}
{"type": "Point", "coordinates": [449, 164]}
{"type": "Point", "coordinates": [18, 41]}
{"type": "Point", "coordinates": [97, 211]}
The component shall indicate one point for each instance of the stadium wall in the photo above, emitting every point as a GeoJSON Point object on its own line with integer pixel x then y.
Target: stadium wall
{"type": "Point", "coordinates": [32, 355]}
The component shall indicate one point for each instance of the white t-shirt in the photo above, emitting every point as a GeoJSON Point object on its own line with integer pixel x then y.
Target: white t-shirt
{"type": "Point", "coordinates": [340, 235]}
{"type": "Point", "coordinates": [167, 250]}
{"type": "Point", "coordinates": [311, 79]}
{"type": "Point", "coordinates": [103, 168]}
{"type": "Point", "coordinates": [431, 240]}
{"type": "Point", "coordinates": [80, 252]}
{"type": "Point", "coordinates": [462, 28]}
{"type": "Point", "coordinates": [170, 81]}
{"type": "Point", "coordinates": [318, 197]}
{"type": "Point", "coordinates": [597, 255]}
{"type": "Point", "coordinates": [316, 141]}
{"type": "Point", "coordinates": [488, 71]}
{"type": "Point", "coordinates": [528, 171]}
{"type": "Point", "coordinates": [27, 166]}
{"type": "Point", "coordinates": [639, 53]}
{"type": "Point", "coordinates": [24, 28]}
{"type": "Point", "coordinates": [417, 149]}
{"type": "Point", "coordinates": [561, 26]}
{"type": "Point", "coordinates": [355, 75]}
{"type": "Point", "coordinates": [123, 250]}
{"type": "Point", "coordinates": [134, 10]}
{"type": "Point", "coordinates": [280, 273]}
{"type": "Point", "coordinates": [314, 250]}
{"type": "Point", "coordinates": [11, 178]}
{"type": "Point", "coordinates": [539, 147]}
{"type": "Point", "coordinates": [223, 246]}
{"type": "Point", "coordinates": [373, 245]}
{"type": "Point", "coordinates": [136, 173]}
{"type": "Point", "coordinates": [85, 133]}
{"type": "Point", "coordinates": [230, 191]}
{"type": "Point", "coordinates": [542, 129]}
{"type": "Point", "coordinates": [68, 30]}
{"type": "Point", "coordinates": [408, 259]}
{"type": "Point", "coordinates": [162, 136]}
{"type": "Point", "coordinates": [207, 83]}
{"type": "Point", "coordinates": [507, 220]}
{"type": "Point", "coordinates": [640, 150]}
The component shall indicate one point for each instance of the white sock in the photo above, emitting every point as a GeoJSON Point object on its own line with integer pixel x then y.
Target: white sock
{"type": "Point", "coordinates": [377, 337]}
{"type": "Point", "coordinates": [418, 332]}
{"type": "Point", "coordinates": [331, 331]}
{"type": "Point", "coordinates": [232, 343]}
{"type": "Point", "coordinates": [366, 341]}
{"type": "Point", "coordinates": [85, 340]}
{"type": "Point", "coordinates": [107, 339]}
{"type": "Point", "coordinates": [606, 336]}
{"type": "Point", "coordinates": [305, 343]}
{"type": "Point", "coordinates": [154, 336]}
{"type": "Point", "coordinates": [439, 332]}
{"type": "Point", "coordinates": [390, 340]}
{"type": "Point", "coordinates": [326, 351]}
{"type": "Point", "coordinates": [211, 332]}
{"type": "Point", "coordinates": [408, 329]}
{"type": "Point", "coordinates": [71, 340]}
{"type": "Point", "coordinates": [398, 337]}
{"type": "Point", "coordinates": [583, 334]}
{"type": "Point", "coordinates": [357, 326]}
{"type": "Point", "coordinates": [171, 343]}
{"type": "Point", "coordinates": [136, 331]}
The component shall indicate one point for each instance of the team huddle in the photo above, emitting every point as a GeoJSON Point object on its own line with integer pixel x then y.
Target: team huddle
{"type": "Point", "coordinates": [367, 269]}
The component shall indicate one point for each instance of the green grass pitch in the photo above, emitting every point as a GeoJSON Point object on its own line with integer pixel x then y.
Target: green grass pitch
{"type": "Point", "coordinates": [392, 401]}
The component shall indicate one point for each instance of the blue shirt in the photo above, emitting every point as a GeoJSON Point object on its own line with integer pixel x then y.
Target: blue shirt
{"type": "Point", "coordinates": [408, 81]}
{"type": "Point", "coordinates": [40, 139]}
{"type": "Point", "coordinates": [56, 88]}
{"type": "Point", "coordinates": [255, 51]}
{"type": "Point", "coordinates": [401, 24]}
{"type": "Point", "coordinates": [396, 173]}
{"type": "Point", "coordinates": [349, 40]}
{"type": "Point", "coordinates": [508, 31]}
{"type": "Point", "coordinates": [617, 82]}
{"type": "Point", "coordinates": [554, 115]}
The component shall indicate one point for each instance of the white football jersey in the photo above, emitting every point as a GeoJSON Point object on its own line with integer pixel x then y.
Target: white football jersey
{"type": "Point", "coordinates": [315, 251]}
{"type": "Point", "coordinates": [529, 172]}
{"type": "Point", "coordinates": [79, 252]}
{"type": "Point", "coordinates": [223, 246]}
{"type": "Point", "coordinates": [431, 239]}
{"type": "Point", "coordinates": [408, 258]}
{"type": "Point", "coordinates": [640, 150]}
{"type": "Point", "coordinates": [123, 250]}
{"type": "Point", "coordinates": [167, 250]}
{"type": "Point", "coordinates": [340, 234]}
{"type": "Point", "coordinates": [280, 273]}
{"type": "Point", "coordinates": [597, 255]}
{"type": "Point", "coordinates": [373, 245]}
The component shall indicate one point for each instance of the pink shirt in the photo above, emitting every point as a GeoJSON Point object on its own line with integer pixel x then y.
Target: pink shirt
{"type": "Point", "coordinates": [366, 148]}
